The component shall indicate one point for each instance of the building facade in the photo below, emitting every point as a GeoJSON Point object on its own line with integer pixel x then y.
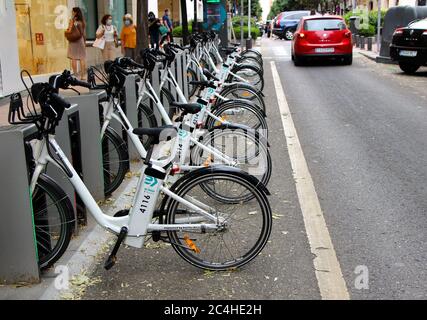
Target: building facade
{"type": "Point", "coordinates": [32, 33]}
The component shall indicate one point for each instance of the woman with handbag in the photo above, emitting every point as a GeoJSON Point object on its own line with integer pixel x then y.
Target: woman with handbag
{"type": "Point", "coordinates": [107, 38]}
{"type": "Point", "coordinates": [76, 36]}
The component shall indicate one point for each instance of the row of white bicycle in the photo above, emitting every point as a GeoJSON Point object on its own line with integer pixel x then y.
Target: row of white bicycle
{"type": "Point", "coordinates": [206, 164]}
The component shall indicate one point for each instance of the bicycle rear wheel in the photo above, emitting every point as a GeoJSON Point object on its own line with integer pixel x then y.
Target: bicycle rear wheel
{"type": "Point", "coordinates": [243, 91]}
{"type": "Point", "coordinates": [115, 158]}
{"type": "Point", "coordinates": [248, 149]}
{"type": "Point", "coordinates": [240, 240]}
{"type": "Point", "coordinates": [191, 76]}
{"type": "Point", "coordinates": [146, 119]}
{"type": "Point", "coordinates": [53, 220]}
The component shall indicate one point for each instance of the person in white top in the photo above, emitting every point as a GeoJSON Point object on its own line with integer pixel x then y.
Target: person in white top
{"type": "Point", "coordinates": [109, 32]}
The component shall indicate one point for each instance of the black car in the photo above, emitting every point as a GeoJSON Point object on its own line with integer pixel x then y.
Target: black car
{"type": "Point", "coordinates": [409, 46]}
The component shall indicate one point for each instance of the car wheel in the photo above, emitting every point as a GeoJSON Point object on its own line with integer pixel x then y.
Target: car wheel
{"type": "Point", "coordinates": [298, 61]}
{"type": "Point", "coordinates": [289, 35]}
{"type": "Point", "coordinates": [408, 67]}
{"type": "Point", "coordinates": [348, 60]}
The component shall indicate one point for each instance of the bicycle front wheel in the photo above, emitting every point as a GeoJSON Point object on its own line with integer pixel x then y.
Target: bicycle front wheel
{"type": "Point", "coordinates": [242, 91]}
{"type": "Point", "coordinates": [239, 240]}
{"type": "Point", "coordinates": [249, 73]}
{"type": "Point", "coordinates": [239, 112]}
{"type": "Point", "coordinates": [53, 220]}
{"type": "Point", "coordinates": [248, 149]}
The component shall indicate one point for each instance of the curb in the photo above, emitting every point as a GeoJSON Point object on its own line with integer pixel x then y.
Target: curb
{"type": "Point", "coordinates": [376, 58]}
{"type": "Point", "coordinates": [86, 258]}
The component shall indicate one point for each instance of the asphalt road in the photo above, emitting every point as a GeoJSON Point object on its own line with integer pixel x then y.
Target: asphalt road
{"type": "Point", "coordinates": [363, 130]}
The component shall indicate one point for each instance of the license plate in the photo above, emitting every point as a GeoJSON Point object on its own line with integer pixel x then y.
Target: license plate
{"type": "Point", "coordinates": [324, 50]}
{"type": "Point", "coordinates": [408, 53]}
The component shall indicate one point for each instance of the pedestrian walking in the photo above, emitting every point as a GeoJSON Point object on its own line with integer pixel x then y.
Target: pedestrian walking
{"type": "Point", "coordinates": [128, 37]}
{"type": "Point", "coordinates": [153, 28]}
{"type": "Point", "coordinates": [76, 36]}
{"type": "Point", "coordinates": [167, 22]}
{"type": "Point", "coordinates": [108, 35]}
{"type": "Point", "coordinates": [269, 30]}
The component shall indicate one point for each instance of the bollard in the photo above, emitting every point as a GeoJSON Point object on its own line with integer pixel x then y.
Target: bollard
{"type": "Point", "coordinates": [248, 43]}
{"type": "Point", "coordinates": [362, 43]}
{"type": "Point", "coordinates": [18, 248]}
{"type": "Point", "coordinates": [357, 40]}
{"type": "Point", "coordinates": [369, 39]}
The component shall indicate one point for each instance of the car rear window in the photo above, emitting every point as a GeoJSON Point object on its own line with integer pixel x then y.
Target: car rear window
{"type": "Point", "coordinates": [324, 24]}
{"type": "Point", "coordinates": [422, 24]}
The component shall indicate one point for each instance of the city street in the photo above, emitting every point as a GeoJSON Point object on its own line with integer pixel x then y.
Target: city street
{"type": "Point", "coordinates": [362, 130]}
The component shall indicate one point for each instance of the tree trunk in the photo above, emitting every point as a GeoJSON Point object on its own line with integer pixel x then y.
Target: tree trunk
{"type": "Point", "coordinates": [184, 21]}
{"type": "Point", "coordinates": [142, 31]}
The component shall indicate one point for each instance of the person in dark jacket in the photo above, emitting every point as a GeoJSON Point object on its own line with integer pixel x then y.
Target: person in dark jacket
{"type": "Point", "coordinates": [153, 28]}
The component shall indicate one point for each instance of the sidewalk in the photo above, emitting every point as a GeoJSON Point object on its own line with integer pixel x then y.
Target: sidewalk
{"type": "Point", "coordinates": [373, 54]}
{"type": "Point", "coordinates": [369, 54]}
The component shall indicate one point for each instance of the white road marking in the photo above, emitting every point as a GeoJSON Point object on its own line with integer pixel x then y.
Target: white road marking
{"type": "Point", "coordinates": [327, 268]}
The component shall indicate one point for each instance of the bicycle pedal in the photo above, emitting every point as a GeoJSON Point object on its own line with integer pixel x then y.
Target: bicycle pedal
{"type": "Point", "coordinates": [121, 213]}
{"type": "Point", "coordinates": [111, 260]}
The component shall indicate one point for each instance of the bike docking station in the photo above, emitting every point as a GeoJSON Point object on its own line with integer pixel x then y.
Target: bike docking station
{"type": "Point", "coordinates": [18, 247]}
{"type": "Point", "coordinates": [68, 136]}
{"type": "Point", "coordinates": [129, 100]}
{"type": "Point", "coordinates": [83, 128]}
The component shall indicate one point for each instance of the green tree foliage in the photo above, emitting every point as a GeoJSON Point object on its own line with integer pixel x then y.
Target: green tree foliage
{"type": "Point", "coordinates": [256, 10]}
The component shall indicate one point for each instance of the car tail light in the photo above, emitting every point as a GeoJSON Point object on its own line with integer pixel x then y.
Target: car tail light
{"type": "Point", "coordinates": [425, 33]}
{"type": "Point", "coordinates": [398, 31]}
{"type": "Point", "coordinates": [347, 34]}
{"type": "Point", "coordinates": [301, 35]}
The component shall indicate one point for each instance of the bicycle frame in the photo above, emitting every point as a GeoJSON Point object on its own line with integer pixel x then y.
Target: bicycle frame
{"type": "Point", "coordinates": [141, 213]}
{"type": "Point", "coordinates": [167, 76]}
{"type": "Point", "coordinates": [186, 139]}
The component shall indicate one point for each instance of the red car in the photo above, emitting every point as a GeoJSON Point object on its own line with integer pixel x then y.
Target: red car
{"type": "Point", "coordinates": [322, 36]}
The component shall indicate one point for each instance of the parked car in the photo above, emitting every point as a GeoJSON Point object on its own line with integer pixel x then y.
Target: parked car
{"type": "Point", "coordinates": [409, 46]}
{"type": "Point", "coordinates": [286, 23]}
{"type": "Point", "coordinates": [322, 37]}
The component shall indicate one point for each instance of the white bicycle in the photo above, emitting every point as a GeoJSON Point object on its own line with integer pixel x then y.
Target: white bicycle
{"type": "Point", "coordinates": [198, 215]}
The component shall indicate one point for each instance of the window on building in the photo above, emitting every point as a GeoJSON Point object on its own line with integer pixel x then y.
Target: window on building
{"type": "Point", "coordinates": [94, 10]}
{"type": "Point", "coordinates": [118, 9]}
{"type": "Point", "coordinates": [422, 2]}
{"type": "Point", "coordinates": [40, 28]}
{"type": "Point", "coordinates": [90, 12]}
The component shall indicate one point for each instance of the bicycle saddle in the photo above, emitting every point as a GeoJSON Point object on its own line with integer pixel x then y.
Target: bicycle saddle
{"type": "Point", "coordinates": [187, 108]}
{"type": "Point", "coordinates": [164, 133]}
